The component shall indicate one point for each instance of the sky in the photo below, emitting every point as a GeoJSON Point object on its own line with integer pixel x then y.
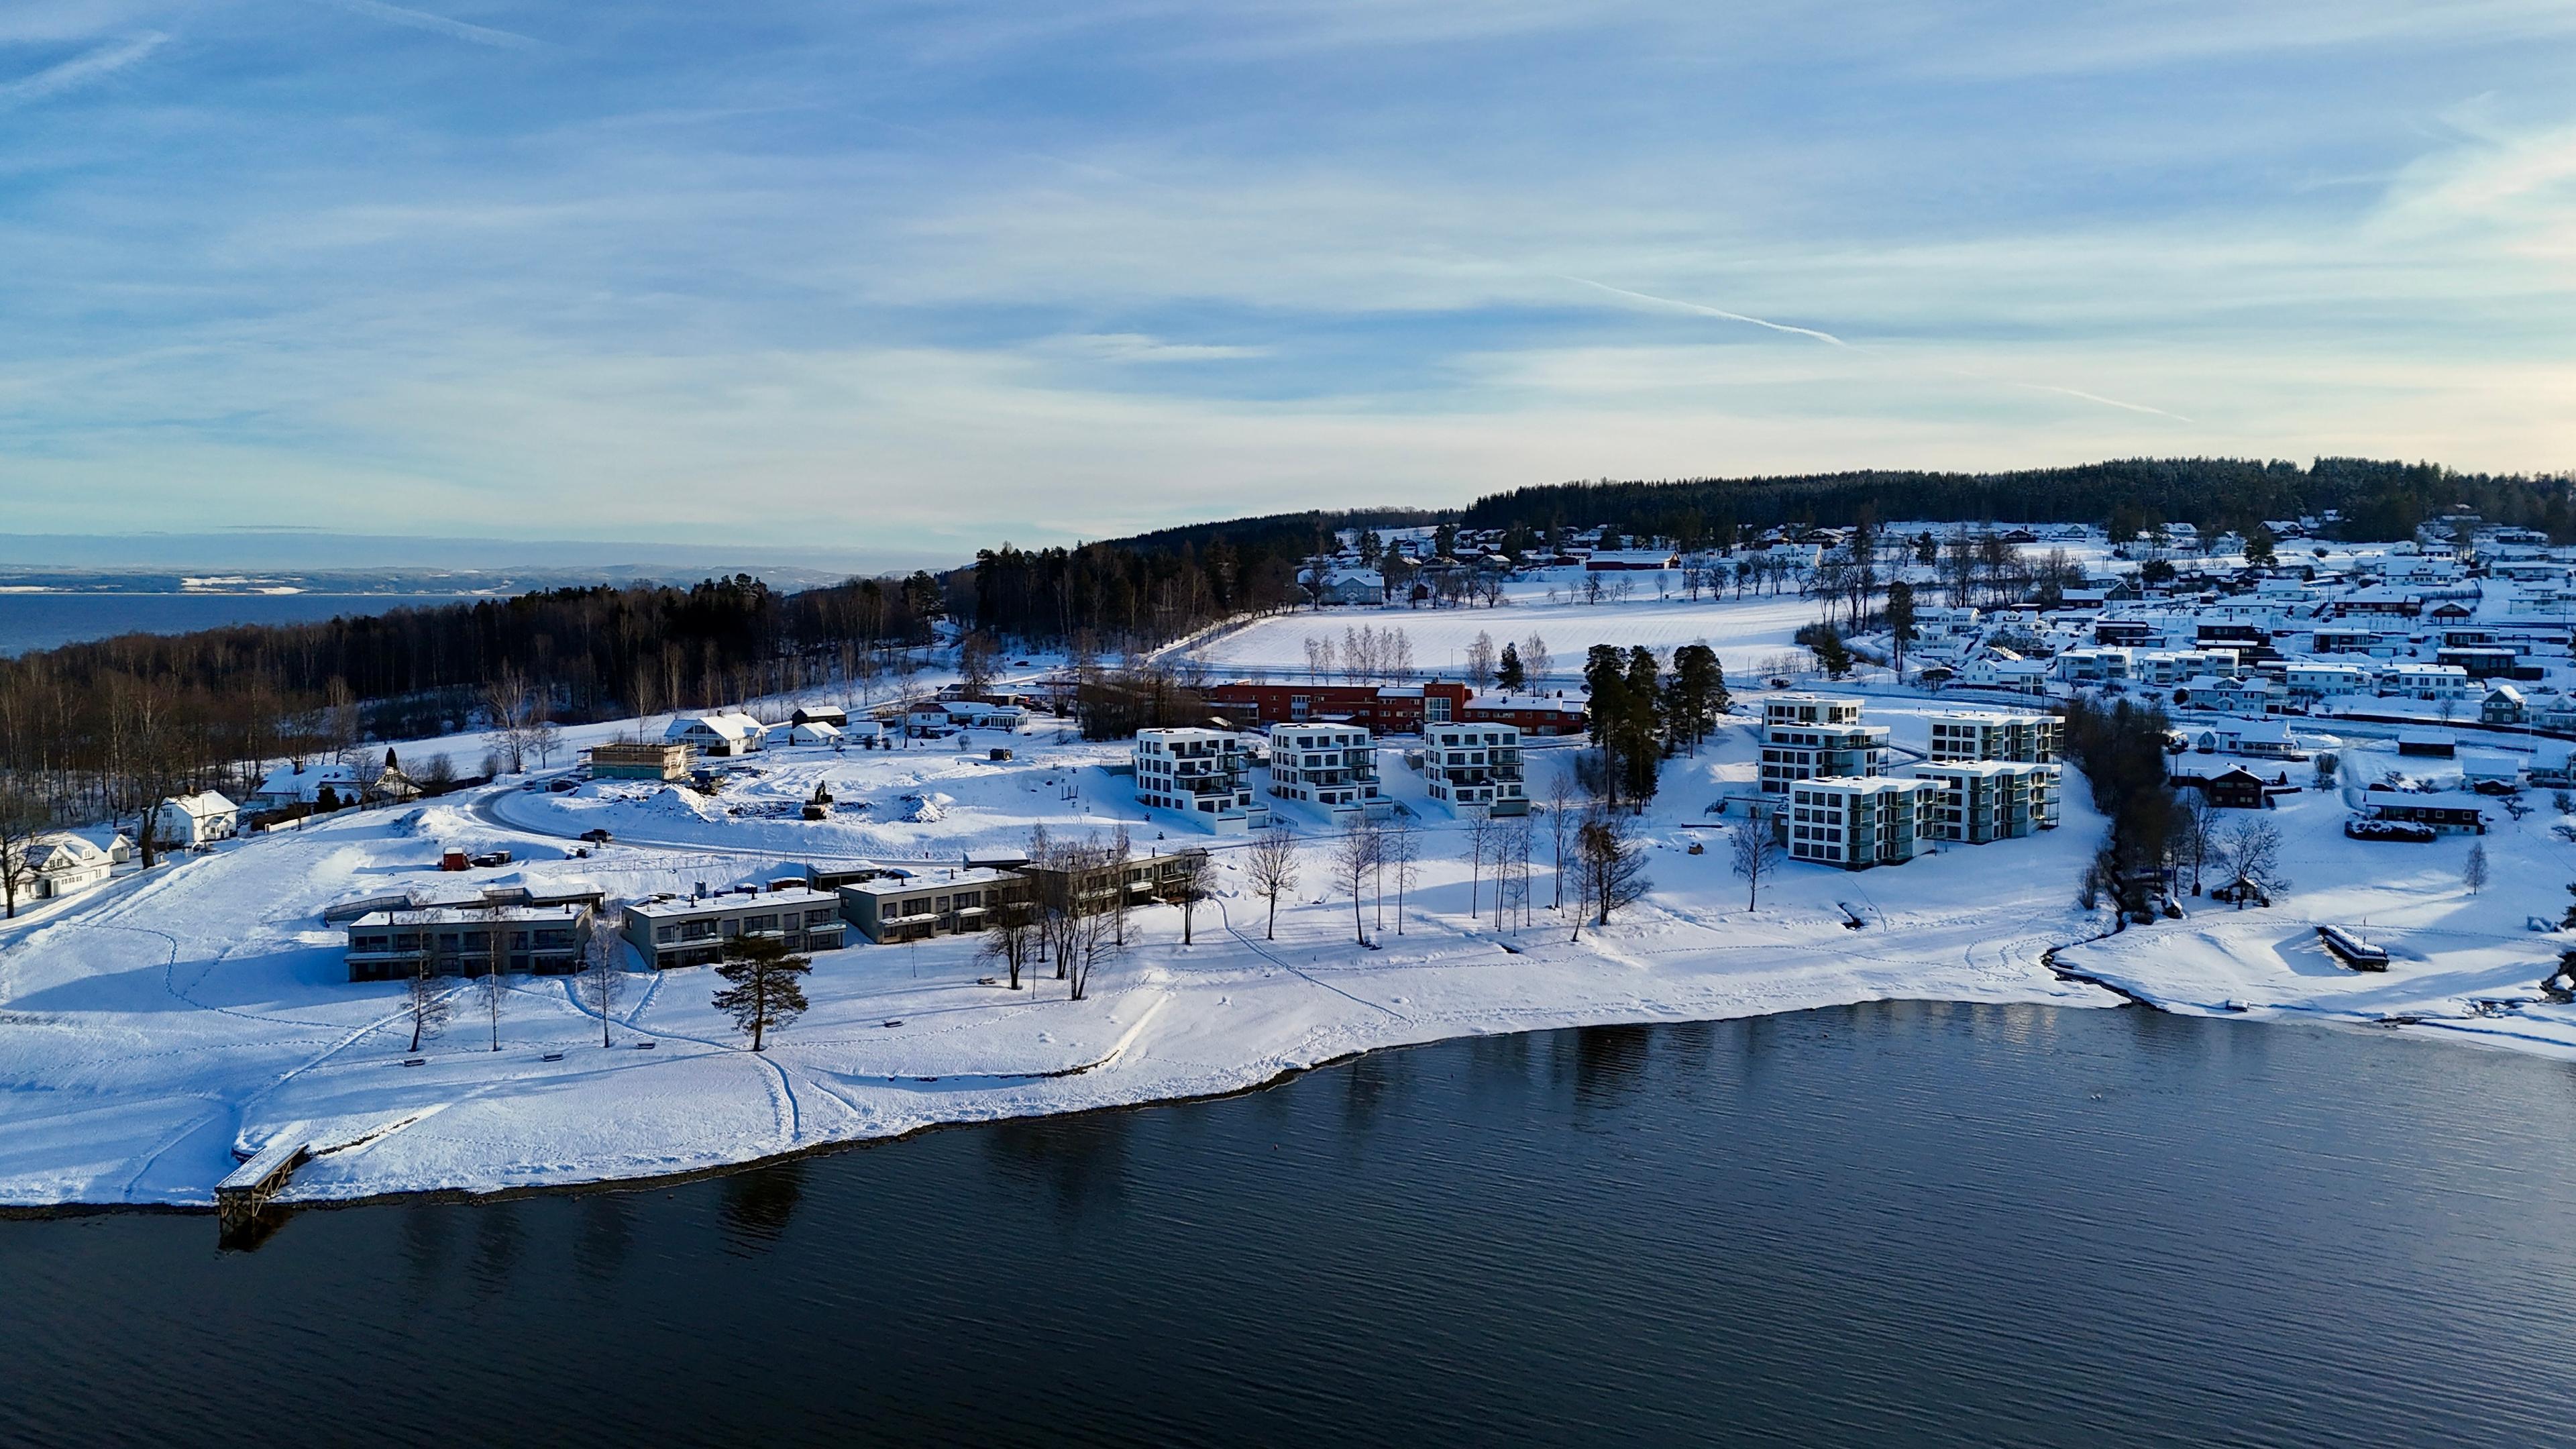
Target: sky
{"type": "Point", "coordinates": [909, 279]}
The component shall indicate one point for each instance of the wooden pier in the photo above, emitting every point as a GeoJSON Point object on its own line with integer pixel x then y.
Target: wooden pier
{"type": "Point", "coordinates": [240, 1196]}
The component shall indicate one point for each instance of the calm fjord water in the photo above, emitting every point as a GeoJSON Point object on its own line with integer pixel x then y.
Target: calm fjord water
{"type": "Point", "coordinates": [1897, 1224]}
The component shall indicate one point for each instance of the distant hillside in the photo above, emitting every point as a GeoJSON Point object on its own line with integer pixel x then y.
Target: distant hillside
{"type": "Point", "coordinates": [2376, 499]}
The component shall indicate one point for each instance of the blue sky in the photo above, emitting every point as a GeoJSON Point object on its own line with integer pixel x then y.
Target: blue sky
{"type": "Point", "coordinates": [911, 278]}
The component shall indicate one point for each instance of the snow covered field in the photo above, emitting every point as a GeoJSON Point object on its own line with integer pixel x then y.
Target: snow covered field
{"type": "Point", "coordinates": [1747, 635]}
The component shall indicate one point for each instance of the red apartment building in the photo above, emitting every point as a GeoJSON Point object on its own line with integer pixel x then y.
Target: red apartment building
{"type": "Point", "coordinates": [1394, 709]}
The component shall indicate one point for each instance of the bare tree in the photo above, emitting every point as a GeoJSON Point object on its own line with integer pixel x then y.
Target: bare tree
{"type": "Point", "coordinates": [496, 959]}
{"type": "Point", "coordinates": [1512, 869]}
{"type": "Point", "coordinates": [1535, 660]}
{"type": "Point", "coordinates": [1402, 847]}
{"type": "Point", "coordinates": [1011, 939]}
{"type": "Point", "coordinates": [602, 979]}
{"type": "Point", "coordinates": [1482, 836]}
{"type": "Point", "coordinates": [1191, 882]}
{"type": "Point", "coordinates": [1480, 660]}
{"type": "Point", "coordinates": [2473, 871]}
{"type": "Point", "coordinates": [1560, 831]}
{"type": "Point", "coordinates": [2250, 853]}
{"type": "Point", "coordinates": [767, 989]}
{"type": "Point", "coordinates": [1354, 856]}
{"type": "Point", "coordinates": [1756, 855]}
{"type": "Point", "coordinates": [2196, 834]}
{"type": "Point", "coordinates": [424, 1000]}
{"type": "Point", "coordinates": [517, 710]}
{"type": "Point", "coordinates": [21, 818]}
{"type": "Point", "coordinates": [1613, 868]}
{"type": "Point", "coordinates": [1272, 865]}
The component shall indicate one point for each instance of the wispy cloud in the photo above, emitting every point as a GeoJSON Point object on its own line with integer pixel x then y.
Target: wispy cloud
{"type": "Point", "coordinates": [80, 70]}
{"type": "Point", "coordinates": [438, 24]}
{"type": "Point", "coordinates": [1706, 311]}
{"type": "Point", "coordinates": [1137, 347]}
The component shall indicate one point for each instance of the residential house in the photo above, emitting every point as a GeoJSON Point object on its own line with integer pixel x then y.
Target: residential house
{"type": "Point", "coordinates": [629, 760]}
{"type": "Point", "coordinates": [2424, 681]}
{"type": "Point", "coordinates": [459, 941]}
{"type": "Point", "coordinates": [2504, 705]}
{"type": "Point", "coordinates": [669, 931]}
{"type": "Point", "coordinates": [2234, 788]}
{"type": "Point", "coordinates": [1351, 586]}
{"type": "Point", "coordinates": [2446, 812]}
{"type": "Point", "coordinates": [289, 785]}
{"type": "Point", "coordinates": [720, 734]}
{"type": "Point", "coordinates": [54, 866]}
{"type": "Point", "coordinates": [902, 905]}
{"type": "Point", "coordinates": [2309, 681]}
{"type": "Point", "coordinates": [199, 819]}
{"type": "Point", "coordinates": [2244, 695]}
{"type": "Point", "coordinates": [814, 732]}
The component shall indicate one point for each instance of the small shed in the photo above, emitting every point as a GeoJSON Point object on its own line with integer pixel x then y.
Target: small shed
{"type": "Point", "coordinates": [2438, 744]}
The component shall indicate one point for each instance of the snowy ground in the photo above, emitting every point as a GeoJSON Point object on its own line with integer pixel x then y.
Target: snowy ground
{"type": "Point", "coordinates": [1748, 635]}
{"type": "Point", "coordinates": [2463, 965]}
{"type": "Point", "coordinates": [169, 1020]}
{"type": "Point", "coordinates": [152, 1028]}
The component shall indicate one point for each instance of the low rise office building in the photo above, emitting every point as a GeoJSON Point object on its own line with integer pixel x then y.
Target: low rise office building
{"type": "Point", "coordinates": [905, 905]}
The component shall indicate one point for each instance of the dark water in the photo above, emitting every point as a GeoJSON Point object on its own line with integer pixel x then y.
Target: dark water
{"type": "Point", "coordinates": [41, 621]}
{"type": "Point", "coordinates": [1890, 1225]}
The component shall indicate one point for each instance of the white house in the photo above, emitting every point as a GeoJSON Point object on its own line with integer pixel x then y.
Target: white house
{"type": "Point", "coordinates": [814, 732]}
{"type": "Point", "coordinates": [724, 732]}
{"type": "Point", "coordinates": [1352, 586]}
{"type": "Point", "coordinates": [62, 865]}
{"type": "Point", "coordinates": [184, 820]}
{"type": "Point", "coordinates": [348, 784]}
{"type": "Point", "coordinates": [2014, 673]}
{"type": "Point", "coordinates": [2229, 695]}
{"type": "Point", "coordinates": [2312, 681]}
{"type": "Point", "coordinates": [2424, 681]}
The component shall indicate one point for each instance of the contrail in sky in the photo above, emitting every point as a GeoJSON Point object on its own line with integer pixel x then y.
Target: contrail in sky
{"type": "Point", "coordinates": [1718, 312]}
{"type": "Point", "coordinates": [1829, 338]}
{"type": "Point", "coordinates": [439, 24]}
{"type": "Point", "coordinates": [79, 70]}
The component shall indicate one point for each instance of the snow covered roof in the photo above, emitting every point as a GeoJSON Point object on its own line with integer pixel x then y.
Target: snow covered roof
{"type": "Point", "coordinates": [63, 852]}
{"type": "Point", "coordinates": [731, 724]}
{"type": "Point", "coordinates": [203, 804]}
{"type": "Point", "coordinates": [289, 779]}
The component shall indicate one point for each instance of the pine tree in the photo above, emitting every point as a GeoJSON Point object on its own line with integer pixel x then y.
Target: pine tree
{"type": "Point", "coordinates": [1507, 670]}
{"type": "Point", "coordinates": [768, 988]}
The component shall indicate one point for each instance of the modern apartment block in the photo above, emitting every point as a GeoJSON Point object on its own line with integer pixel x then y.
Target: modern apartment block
{"type": "Point", "coordinates": [1818, 736]}
{"type": "Point", "coordinates": [457, 941]}
{"type": "Point", "coordinates": [1201, 773]}
{"type": "Point", "coordinates": [2030, 739]}
{"type": "Point", "coordinates": [691, 930]}
{"type": "Point", "coordinates": [1983, 800]}
{"type": "Point", "coordinates": [899, 905]}
{"type": "Point", "coordinates": [1857, 823]}
{"type": "Point", "coordinates": [1474, 769]}
{"type": "Point", "coordinates": [1331, 767]}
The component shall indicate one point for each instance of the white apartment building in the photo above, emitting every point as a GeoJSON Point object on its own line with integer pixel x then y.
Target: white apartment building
{"type": "Point", "coordinates": [1202, 774]}
{"type": "Point", "coordinates": [2254, 697]}
{"type": "Point", "coordinates": [1857, 823]}
{"type": "Point", "coordinates": [2093, 666]}
{"type": "Point", "coordinates": [1975, 734]}
{"type": "Point", "coordinates": [2165, 668]}
{"type": "Point", "coordinates": [2424, 681]}
{"type": "Point", "coordinates": [2310, 681]}
{"type": "Point", "coordinates": [1474, 769]}
{"type": "Point", "coordinates": [1983, 800]}
{"type": "Point", "coordinates": [1331, 767]}
{"type": "Point", "coordinates": [1812, 736]}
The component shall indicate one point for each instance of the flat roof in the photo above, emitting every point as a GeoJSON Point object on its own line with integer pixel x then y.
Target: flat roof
{"type": "Point", "coordinates": [470, 915]}
{"type": "Point", "coordinates": [730, 901]}
{"type": "Point", "coordinates": [946, 879]}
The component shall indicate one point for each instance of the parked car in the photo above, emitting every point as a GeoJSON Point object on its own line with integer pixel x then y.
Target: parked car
{"type": "Point", "coordinates": [564, 787]}
{"type": "Point", "coordinates": [596, 837]}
